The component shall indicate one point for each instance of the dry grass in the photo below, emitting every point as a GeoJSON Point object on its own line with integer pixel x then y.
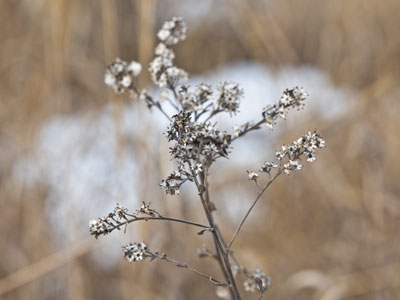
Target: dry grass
{"type": "Point", "coordinates": [329, 233]}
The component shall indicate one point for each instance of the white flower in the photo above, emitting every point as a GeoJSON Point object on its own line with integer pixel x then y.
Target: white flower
{"type": "Point", "coordinates": [292, 148]}
{"type": "Point", "coordinates": [236, 131]}
{"type": "Point", "coordinates": [285, 99]}
{"type": "Point", "coordinates": [163, 34]}
{"type": "Point", "coordinates": [321, 143]}
{"type": "Point", "coordinates": [253, 175]}
{"type": "Point", "coordinates": [286, 168]}
{"type": "Point", "coordinates": [249, 285]}
{"type": "Point", "coordinates": [197, 168]}
{"type": "Point", "coordinates": [295, 165]}
{"type": "Point", "coordinates": [109, 79]}
{"type": "Point", "coordinates": [279, 155]}
{"type": "Point", "coordinates": [126, 81]}
{"type": "Point", "coordinates": [164, 51]}
{"type": "Point", "coordinates": [268, 166]}
{"type": "Point", "coordinates": [93, 223]}
{"type": "Point", "coordinates": [310, 136]}
{"type": "Point", "coordinates": [310, 156]}
{"type": "Point", "coordinates": [135, 68]}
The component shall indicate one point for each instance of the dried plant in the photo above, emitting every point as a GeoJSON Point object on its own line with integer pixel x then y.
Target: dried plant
{"type": "Point", "coordinates": [196, 144]}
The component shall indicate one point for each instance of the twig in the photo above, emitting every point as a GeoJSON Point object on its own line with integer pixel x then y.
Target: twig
{"type": "Point", "coordinates": [253, 127]}
{"type": "Point", "coordinates": [205, 109]}
{"type": "Point", "coordinates": [154, 103]}
{"type": "Point", "coordinates": [251, 208]}
{"type": "Point", "coordinates": [164, 256]}
{"type": "Point", "coordinates": [172, 104]}
{"type": "Point", "coordinates": [158, 105]}
{"type": "Point", "coordinates": [213, 113]}
{"type": "Point", "coordinates": [160, 219]}
{"type": "Point", "coordinates": [172, 88]}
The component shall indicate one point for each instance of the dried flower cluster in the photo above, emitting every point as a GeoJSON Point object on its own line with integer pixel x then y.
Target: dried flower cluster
{"type": "Point", "coordinates": [289, 157]}
{"type": "Point", "coordinates": [134, 252]}
{"type": "Point", "coordinates": [304, 146]}
{"type": "Point", "coordinates": [229, 97]}
{"type": "Point", "coordinates": [118, 217]}
{"type": "Point", "coordinates": [291, 98]}
{"type": "Point", "coordinates": [139, 251]}
{"type": "Point", "coordinates": [119, 75]}
{"type": "Point", "coordinates": [162, 70]}
{"type": "Point", "coordinates": [173, 32]}
{"type": "Point", "coordinates": [203, 100]}
{"type": "Point", "coordinates": [257, 281]}
{"type": "Point", "coordinates": [195, 101]}
{"type": "Point", "coordinates": [199, 143]}
{"type": "Point", "coordinates": [105, 225]}
{"type": "Point", "coordinates": [196, 144]}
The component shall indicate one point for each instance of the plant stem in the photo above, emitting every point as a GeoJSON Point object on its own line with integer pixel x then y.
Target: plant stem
{"type": "Point", "coordinates": [172, 88]}
{"type": "Point", "coordinates": [215, 239]}
{"type": "Point", "coordinates": [159, 219]}
{"type": "Point", "coordinates": [254, 127]}
{"type": "Point", "coordinates": [222, 254]}
{"type": "Point", "coordinates": [251, 208]}
{"type": "Point", "coordinates": [155, 103]}
{"type": "Point", "coordinates": [163, 256]}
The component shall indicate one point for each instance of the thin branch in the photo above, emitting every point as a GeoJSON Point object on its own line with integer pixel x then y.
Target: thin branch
{"type": "Point", "coordinates": [184, 265]}
{"type": "Point", "coordinates": [205, 109]}
{"type": "Point", "coordinates": [223, 256]}
{"type": "Point", "coordinates": [251, 128]}
{"type": "Point", "coordinates": [158, 105]}
{"type": "Point", "coordinates": [217, 243]}
{"type": "Point", "coordinates": [172, 88]}
{"type": "Point", "coordinates": [154, 103]}
{"type": "Point", "coordinates": [251, 208]}
{"type": "Point", "coordinates": [112, 226]}
{"type": "Point", "coordinates": [172, 104]}
{"type": "Point", "coordinates": [213, 113]}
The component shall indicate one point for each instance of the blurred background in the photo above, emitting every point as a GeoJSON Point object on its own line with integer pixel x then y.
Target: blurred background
{"type": "Point", "coordinates": [70, 149]}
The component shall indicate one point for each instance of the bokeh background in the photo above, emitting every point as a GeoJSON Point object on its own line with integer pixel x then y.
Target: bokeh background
{"type": "Point", "coordinates": [70, 149]}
